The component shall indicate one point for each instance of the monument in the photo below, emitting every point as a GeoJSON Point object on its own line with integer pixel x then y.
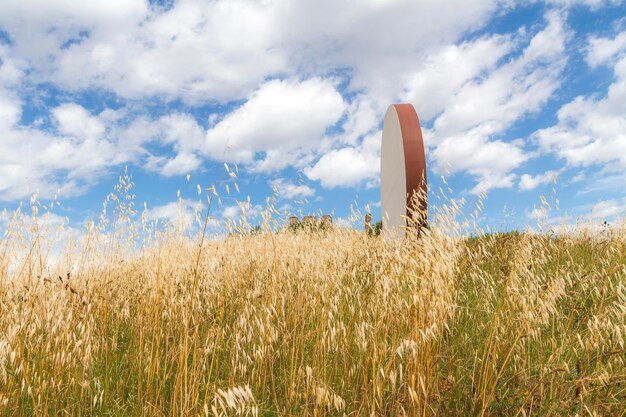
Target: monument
{"type": "Point", "coordinates": [403, 186]}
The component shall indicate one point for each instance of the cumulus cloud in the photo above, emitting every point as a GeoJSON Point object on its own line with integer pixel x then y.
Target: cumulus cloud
{"type": "Point", "coordinates": [511, 91]}
{"type": "Point", "coordinates": [349, 166]}
{"type": "Point", "coordinates": [591, 130]}
{"type": "Point", "coordinates": [280, 122]}
{"type": "Point", "coordinates": [490, 162]}
{"type": "Point", "coordinates": [11, 74]}
{"type": "Point", "coordinates": [182, 163]}
{"type": "Point", "coordinates": [380, 42]}
{"type": "Point", "coordinates": [603, 50]}
{"type": "Point", "coordinates": [288, 190]}
{"type": "Point", "coordinates": [181, 213]}
{"type": "Point", "coordinates": [434, 88]}
{"type": "Point", "coordinates": [313, 79]}
{"type": "Point", "coordinates": [66, 160]}
{"type": "Point", "coordinates": [81, 147]}
{"type": "Point", "coordinates": [194, 50]}
{"type": "Point", "coordinates": [486, 103]}
{"type": "Point", "coordinates": [608, 209]}
{"type": "Point", "coordinates": [76, 121]}
{"type": "Point", "coordinates": [10, 109]}
{"type": "Point", "coordinates": [179, 131]}
{"type": "Point", "coordinates": [201, 51]}
{"type": "Point", "coordinates": [243, 209]}
{"type": "Point", "coordinates": [351, 156]}
{"type": "Point", "coordinates": [363, 116]}
{"type": "Point", "coordinates": [472, 92]}
{"type": "Point", "coordinates": [530, 182]}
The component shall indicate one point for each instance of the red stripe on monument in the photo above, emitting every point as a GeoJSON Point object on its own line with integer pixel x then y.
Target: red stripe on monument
{"type": "Point", "coordinates": [414, 157]}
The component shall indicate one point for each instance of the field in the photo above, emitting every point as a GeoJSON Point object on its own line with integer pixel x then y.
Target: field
{"type": "Point", "coordinates": [310, 323]}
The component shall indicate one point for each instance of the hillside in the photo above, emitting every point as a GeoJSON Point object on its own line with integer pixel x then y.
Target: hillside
{"type": "Point", "coordinates": [318, 323]}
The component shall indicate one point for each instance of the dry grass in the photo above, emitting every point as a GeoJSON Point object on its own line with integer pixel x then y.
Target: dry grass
{"type": "Point", "coordinates": [312, 323]}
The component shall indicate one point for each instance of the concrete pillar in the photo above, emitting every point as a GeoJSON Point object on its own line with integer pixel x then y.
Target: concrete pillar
{"type": "Point", "coordinates": [310, 220]}
{"type": "Point", "coordinates": [368, 223]}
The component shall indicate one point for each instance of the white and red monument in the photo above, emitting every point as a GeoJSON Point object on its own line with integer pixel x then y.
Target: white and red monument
{"type": "Point", "coordinates": [403, 186]}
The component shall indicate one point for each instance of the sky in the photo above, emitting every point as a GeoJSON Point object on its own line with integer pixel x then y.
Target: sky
{"type": "Point", "coordinates": [520, 102]}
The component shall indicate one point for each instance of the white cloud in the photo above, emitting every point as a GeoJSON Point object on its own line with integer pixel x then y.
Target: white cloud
{"type": "Point", "coordinates": [231, 211]}
{"type": "Point", "coordinates": [179, 138]}
{"type": "Point", "coordinates": [183, 163]}
{"type": "Point", "coordinates": [10, 110]}
{"type": "Point", "coordinates": [75, 121]}
{"type": "Point", "coordinates": [349, 166]}
{"type": "Point", "coordinates": [82, 147]}
{"type": "Point", "coordinates": [490, 162]}
{"type": "Point", "coordinates": [182, 213]}
{"type": "Point", "coordinates": [352, 155]}
{"type": "Point", "coordinates": [222, 51]}
{"type": "Point", "coordinates": [486, 104]}
{"type": "Point", "coordinates": [473, 91]}
{"type": "Point", "coordinates": [590, 130]}
{"type": "Point", "coordinates": [242, 210]}
{"type": "Point", "coordinates": [288, 190]}
{"type": "Point", "coordinates": [10, 77]}
{"type": "Point", "coordinates": [363, 116]}
{"type": "Point", "coordinates": [282, 119]}
{"type": "Point", "coordinates": [603, 50]}
{"type": "Point", "coordinates": [530, 182]}
{"type": "Point", "coordinates": [608, 209]}
{"type": "Point", "coordinates": [381, 43]}
{"type": "Point", "coordinates": [514, 89]}
{"type": "Point", "coordinates": [202, 51]}
{"type": "Point", "coordinates": [180, 131]}
{"type": "Point", "coordinates": [40, 30]}
{"type": "Point", "coordinates": [66, 160]}
{"type": "Point", "coordinates": [195, 50]}
{"type": "Point", "coordinates": [434, 88]}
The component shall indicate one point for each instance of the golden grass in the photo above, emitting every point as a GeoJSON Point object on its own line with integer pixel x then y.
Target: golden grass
{"type": "Point", "coordinates": [312, 323]}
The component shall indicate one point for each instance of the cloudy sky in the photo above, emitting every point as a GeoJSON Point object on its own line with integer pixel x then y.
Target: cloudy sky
{"type": "Point", "coordinates": [511, 95]}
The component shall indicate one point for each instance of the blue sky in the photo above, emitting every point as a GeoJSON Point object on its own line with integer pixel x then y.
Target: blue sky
{"type": "Point", "coordinates": [291, 95]}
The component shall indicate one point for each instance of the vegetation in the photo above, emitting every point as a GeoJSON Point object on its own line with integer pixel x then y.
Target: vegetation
{"type": "Point", "coordinates": [315, 226]}
{"type": "Point", "coordinates": [310, 324]}
{"type": "Point", "coordinates": [375, 230]}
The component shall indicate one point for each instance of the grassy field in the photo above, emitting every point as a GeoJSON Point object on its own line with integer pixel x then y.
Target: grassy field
{"type": "Point", "coordinates": [313, 323]}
